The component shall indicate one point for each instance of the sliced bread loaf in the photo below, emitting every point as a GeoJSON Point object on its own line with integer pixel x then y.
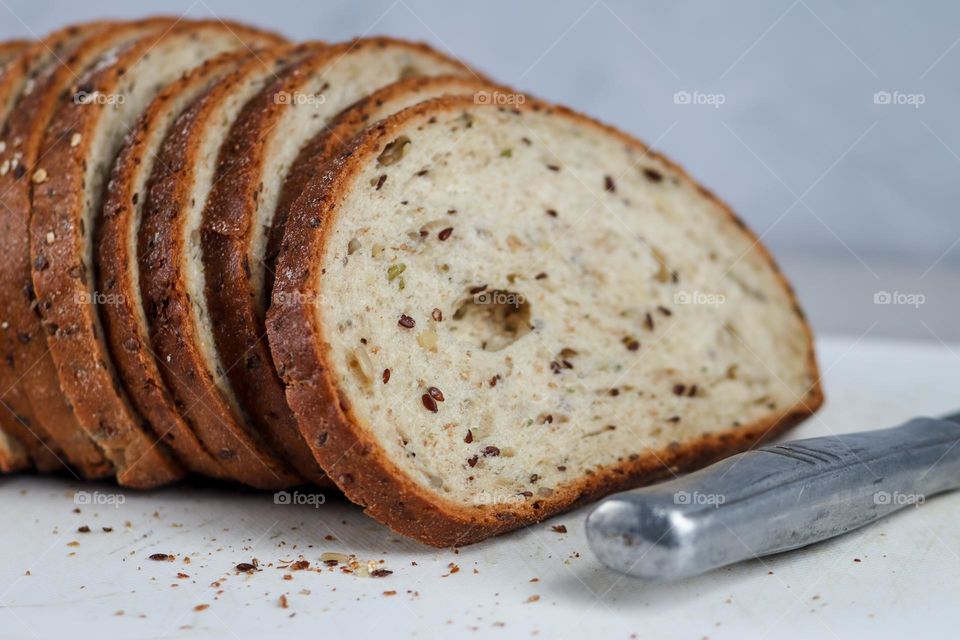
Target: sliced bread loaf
{"type": "Point", "coordinates": [33, 82]}
{"type": "Point", "coordinates": [124, 318]}
{"type": "Point", "coordinates": [261, 146]}
{"type": "Point", "coordinates": [171, 275]}
{"type": "Point", "coordinates": [79, 148]}
{"type": "Point", "coordinates": [579, 317]}
{"type": "Point", "coordinates": [13, 454]}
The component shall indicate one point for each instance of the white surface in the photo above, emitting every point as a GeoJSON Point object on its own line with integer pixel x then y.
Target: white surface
{"type": "Point", "coordinates": [904, 585]}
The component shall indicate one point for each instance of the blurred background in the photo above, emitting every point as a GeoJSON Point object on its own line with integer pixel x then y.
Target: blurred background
{"type": "Point", "coordinates": [831, 128]}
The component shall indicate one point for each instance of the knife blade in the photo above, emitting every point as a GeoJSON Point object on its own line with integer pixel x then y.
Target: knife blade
{"type": "Point", "coordinates": [774, 498]}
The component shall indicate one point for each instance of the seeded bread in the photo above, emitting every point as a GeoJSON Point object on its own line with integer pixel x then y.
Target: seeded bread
{"type": "Point", "coordinates": [271, 131]}
{"type": "Point", "coordinates": [13, 454]}
{"type": "Point", "coordinates": [326, 145]}
{"type": "Point", "coordinates": [80, 145]}
{"type": "Point", "coordinates": [124, 319]}
{"type": "Point", "coordinates": [33, 83]}
{"type": "Point", "coordinates": [171, 279]}
{"type": "Point", "coordinates": [14, 421]}
{"type": "Point", "coordinates": [580, 318]}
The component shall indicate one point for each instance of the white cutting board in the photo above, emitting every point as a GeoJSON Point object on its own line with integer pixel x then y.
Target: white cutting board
{"type": "Point", "coordinates": [897, 578]}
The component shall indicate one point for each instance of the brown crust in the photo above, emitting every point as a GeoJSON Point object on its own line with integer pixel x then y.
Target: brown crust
{"type": "Point", "coordinates": [27, 360]}
{"type": "Point", "coordinates": [128, 340]}
{"type": "Point", "coordinates": [63, 287]}
{"type": "Point", "coordinates": [10, 49]}
{"type": "Point", "coordinates": [233, 303]}
{"type": "Point", "coordinates": [38, 379]}
{"type": "Point", "coordinates": [357, 463]}
{"type": "Point", "coordinates": [167, 303]}
{"type": "Point", "coordinates": [15, 431]}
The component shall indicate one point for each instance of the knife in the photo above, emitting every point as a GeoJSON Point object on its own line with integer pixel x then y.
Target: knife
{"type": "Point", "coordinates": [774, 498]}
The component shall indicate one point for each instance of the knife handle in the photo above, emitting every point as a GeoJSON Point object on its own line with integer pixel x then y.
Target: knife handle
{"type": "Point", "coordinates": [774, 498]}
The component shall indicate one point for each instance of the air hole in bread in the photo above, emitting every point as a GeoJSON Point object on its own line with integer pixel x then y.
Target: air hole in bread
{"type": "Point", "coordinates": [494, 319]}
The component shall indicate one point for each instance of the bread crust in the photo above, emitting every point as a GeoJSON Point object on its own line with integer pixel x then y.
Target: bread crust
{"type": "Point", "coordinates": [14, 433]}
{"type": "Point", "coordinates": [59, 250]}
{"type": "Point", "coordinates": [29, 372]}
{"type": "Point", "coordinates": [166, 299]}
{"type": "Point", "coordinates": [10, 49]}
{"type": "Point", "coordinates": [127, 335]}
{"type": "Point", "coordinates": [234, 303]}
{"type": "Point", "coordinates": [358, 465]}
{"type": "Point", "coordinates": [73, 46]}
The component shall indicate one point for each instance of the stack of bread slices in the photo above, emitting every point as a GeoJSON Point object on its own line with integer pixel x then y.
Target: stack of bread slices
{"type": "Point", "coordinates": [365, 265]}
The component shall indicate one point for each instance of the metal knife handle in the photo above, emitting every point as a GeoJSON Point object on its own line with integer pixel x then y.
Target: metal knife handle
{"type": "Point", "coordinates": [772, 499]}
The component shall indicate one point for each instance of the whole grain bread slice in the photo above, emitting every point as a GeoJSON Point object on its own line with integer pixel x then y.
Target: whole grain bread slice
{"type": "Point", "coordinates": [330, 142]}
{"type": "Point", "coordinates": [80, 145]}
{"type": "Point", "coordinates": [124, 320]}
{"type": "Point", "coordinates": [32, 84]}
{"type": "Point", "coordinates": [262, 145]}
{"type": "Point", "coordinates": [171, 276]}
{"type": "Point", "coordinates": [581, 317]}
{"type": "Point", "coordinates": [13, 454]}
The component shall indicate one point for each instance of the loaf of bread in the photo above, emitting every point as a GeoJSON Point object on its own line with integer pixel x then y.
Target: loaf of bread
{"type": "Point", "coordinates": [123, 317]}
{"type": "Point", "coordinates": [485, 315]}
{"type": "Point", "coordinates": [14, 455]}
{"type": "Point", "coordinates": [79, 148]}
{"type": "Point", "coordinates": [172, 285]}
{"type": "Point", "coordinates": [36, 81]}
{"type": "Point", "coordinates": [364, 265]}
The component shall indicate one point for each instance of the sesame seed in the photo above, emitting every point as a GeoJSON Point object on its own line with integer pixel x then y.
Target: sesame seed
{"type": "Point", "coordinates": [75, 139]}
{"type": "Point", "coordinates": [39, 176]}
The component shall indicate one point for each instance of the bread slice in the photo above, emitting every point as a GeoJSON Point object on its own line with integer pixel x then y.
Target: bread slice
{"type": "Point", "coordinates": [13, 454]}
{"type": "Point", "coordinates": [331, 141]}
{"type": "Point", "coordinates": [261, 147]}
{"type": "Point", "coordinates": [171, 280]}
{"type": "Point", "coordinates": [125, 320]}
{"type": "Point", "coordinates": [43, 420]}
{"type": "Point", "coordinates": [486, 314]}
{"type": "Point", "coordinates": [79, 147]}
{"type": "Point", "coordinates": [13, 433]}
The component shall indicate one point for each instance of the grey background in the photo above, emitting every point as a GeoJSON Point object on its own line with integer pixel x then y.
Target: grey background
{"type": "Point", "coordinates": [853, 197]}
